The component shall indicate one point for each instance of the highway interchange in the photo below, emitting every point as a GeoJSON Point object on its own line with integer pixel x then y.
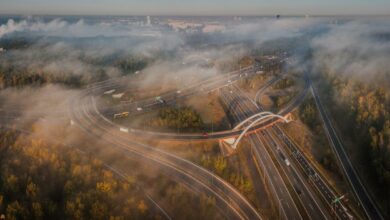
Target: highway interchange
{"type": "Point", "coordinates": [228, 199]}
{"type": "Point", "coordinates": [296, 187]}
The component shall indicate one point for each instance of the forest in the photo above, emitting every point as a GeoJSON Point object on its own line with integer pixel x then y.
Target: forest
{"type": "Point", "coordinates": [42, 180]}
{"type": "Point", "coordinates": [39, 180]}
{"type": "Point", "coordinates": [361, 111]}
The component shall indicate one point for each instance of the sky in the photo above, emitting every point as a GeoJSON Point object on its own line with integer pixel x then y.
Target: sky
{"type": "Point", "coordinates": [195, 7]}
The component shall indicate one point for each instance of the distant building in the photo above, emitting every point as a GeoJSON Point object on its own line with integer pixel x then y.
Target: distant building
{"type": "Point", "coordinates": [195, 27]}
{"type": "Point", "coordinates": [209, 28]}
{"type": "Point", "coordinates": [237, 18]}
{"type": "Point", "coordinates": [148, 21]}
{"type": "Point", "coordinates": [178, 25]}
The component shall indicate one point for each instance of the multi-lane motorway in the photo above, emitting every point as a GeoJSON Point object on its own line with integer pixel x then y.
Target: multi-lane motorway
{"type": "Point", "coordinates": [285, 181]}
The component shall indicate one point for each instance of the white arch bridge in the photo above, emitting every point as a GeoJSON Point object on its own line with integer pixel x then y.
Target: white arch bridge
{"type": "Point", "coordinates": [253, 120]}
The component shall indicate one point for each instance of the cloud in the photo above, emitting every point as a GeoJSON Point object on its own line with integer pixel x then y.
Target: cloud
{"type": "Point", "coordinates": [109, 34]}
{"type": "Point", "coordinates": [266, 29]}
{"type": "Point", "coordinates": [28, 26]}
{"type": "Point", "coordinates": [358, 48]}
{"type": "Point", "coordinates": [59, 27]}
{"type": "Point", "coordinates": [82, 49]}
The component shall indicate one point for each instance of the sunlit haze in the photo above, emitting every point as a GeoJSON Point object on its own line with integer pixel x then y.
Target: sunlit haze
{"type": "Point", "coordinates": [177, 109]}
{"type": "Point", "coordinates": [201, 7]}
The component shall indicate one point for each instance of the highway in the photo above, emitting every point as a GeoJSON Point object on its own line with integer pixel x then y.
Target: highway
{"type": "Point", "coordinates": [369, 207]}
{"type": "Point", "coordinates": [267, 150]}
{"type": "Point", "coordinates": [316, 180]}
{"type": "Point", "coordinates": [277, 186]}
{"type": "Point", "coordinates": [228, 199]}
{"type": "Point", "coordinates": [313, 176]}
{"type": "Point", "coordinates": [326, 192]}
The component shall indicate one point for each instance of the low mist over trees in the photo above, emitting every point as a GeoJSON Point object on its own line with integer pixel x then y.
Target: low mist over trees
{"type": "Point", "coordinates": [45, 181]}
{"type": "Point", "coordinates": [361, 111]}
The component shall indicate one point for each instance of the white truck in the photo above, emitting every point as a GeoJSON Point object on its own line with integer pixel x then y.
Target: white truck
{"type": "Point", "coordinates": [109, 92]}
{"type": "Point", "coordinates": [125, 130]}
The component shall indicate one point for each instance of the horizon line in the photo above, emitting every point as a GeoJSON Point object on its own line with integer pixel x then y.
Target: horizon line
{"type": "Point", "coordinates": [196, 15]}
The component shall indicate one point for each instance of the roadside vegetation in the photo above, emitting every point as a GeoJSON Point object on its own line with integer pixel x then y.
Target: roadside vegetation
{"type": "Point", "coordinates": [282, 92]}
{"type": "Point", "coordinates": [308, 115]}
{"type": "Point", "coordinates": [225, 169]}
{"type": "Point", "coordinates": [183, 118]}
{"type": "Point", "coordinates": [229, 168]}
{"type": "Point", "coordinates": [22, 78]}
{"type": "Point", "coordinates": [132, 64]}
{"type": "Point", "coordinates": [360, 109]}
{"type": "Point", "coordinates": [284, 83]}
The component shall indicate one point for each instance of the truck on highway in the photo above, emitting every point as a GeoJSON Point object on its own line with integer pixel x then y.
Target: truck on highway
{"type": "Point", "coordinates": [109, 92]}
{"type": "Point", "coordinates": [122, 129]}
{"type": "Point", "coordinates": [118, 95]}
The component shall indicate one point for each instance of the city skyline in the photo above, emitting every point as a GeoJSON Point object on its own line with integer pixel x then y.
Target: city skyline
{"type": "Point", "coordinates": [202, 7]}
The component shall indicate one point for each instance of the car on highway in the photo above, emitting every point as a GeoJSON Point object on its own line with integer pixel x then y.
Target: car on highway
{"type": "Point", "coordinates": [299, 192]}
{"type": "Point", "coordinates": [139, 109]}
